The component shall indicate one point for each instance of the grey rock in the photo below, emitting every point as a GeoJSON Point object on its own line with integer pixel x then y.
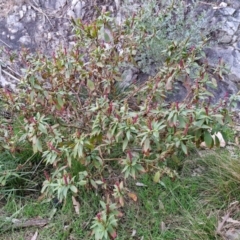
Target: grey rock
{"type": "Point", "coordinates": [227, 11]}
{"type": "Point", "coordinates": [24, 8]}
{"type": "Point", "coordinates": [233, 3]}
{"type": "Point", "coordinates": [13, 23]}
{"type": "Point", "coordinates": [25, 40]}
{"type": "Point", "coordinates": [225, 39]}
{"type": "Point", "coordinates": [30, 16]}
{"type": "Point", "coordinates": [230, 57]}
{"type": "Point", "coordinates": [234, 39]}
{"type": "Point", "coordinates": [78, 8]}
{"type": "Point", "coordinates": [235, 69]}
{"type": "Point", "coordinates": [60, 4]}
{"type": "Point", "coordinates": [237, 15]}
{"type": "Point", "coordinates": [6, 83]}
{"type": "Point", "coordinates": [71, 14]}
{"type": "Point", "coordinates": [178, 93]}
{"type": "Point", "coordinates": [25, 26]}
{"type": "Point", "coordinates": [128, 76]}
{"type": "Point", "coordinates": [214, 54]}
{"type": "Point", "coordinates": [21, 14]}
{"type": "Point", "coordinates": [238, 44]}
{"type": "Point", "coordinates": [230, 27]}
{"type": "Point", "coordinates": [48, 4]}
{"type": "Point", "coordinates": [233, 234]}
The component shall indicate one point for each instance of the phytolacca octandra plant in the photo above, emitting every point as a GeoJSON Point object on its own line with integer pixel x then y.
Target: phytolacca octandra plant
{"type": "Point", "coordinates": [72, 113]}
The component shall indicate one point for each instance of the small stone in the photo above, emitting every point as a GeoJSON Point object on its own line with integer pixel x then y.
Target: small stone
{"type": "Point", "coordinates": [72, 44]}
{"type": "Point", "coordinates": [74, 2]}
{"type": "Point", "coordinates": [234, 39]}
{"type": "Point", "coordinates": [14, 24]}
{"type": "Point", "coordinates": [60, 4]}
{"type": "Point", "coordinates": [71, 14]}
{"type": "Point", "coordinates": [237, 15]}
{"type": "Point", "coordinates": [223, 5]}
{"type": "Point", "coordinates": [33, 14]}
{"type": "Point", "coordinates": [78, 9]}
{"type": "Point", "coordinates": [238, 44]}
{"type": "Point", "coordinates": [15, 8]}
{"type": "Point", "coordinates": [40, 27]}
{"type": "Point", "coordinates": [12, 37]}
{"type": "Point", "coordinates": [128, 76]}
{"type": "Point", "coordinates": [72, 37]}
{"type": "Point", "coordinates": [230, 27]}
{"type": "Point", "coordinates": [24, 8]}
{"type": "Point", "coordinates": [233, 234]}
{"type": "Point", "coordinates": [30, 17]}
{"type": "Point", "coordinates": [21, 14]}
{"type": "Point", "coordinates": [227, 11]}
{"type": "Point", "coordinates": [117, 3]}
{"type": "Point", "coordinates": [49, 36]}
{"type": "Point", "coordinates": [119, 19]}
{"type": "Point", "coordinates": [25, 40]}
{"type": "Point", "coordinates": [215, 53]}
{"type": "Point", "coordinates": [225, 39]}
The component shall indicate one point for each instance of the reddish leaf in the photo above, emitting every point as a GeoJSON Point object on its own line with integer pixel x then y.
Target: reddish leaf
{"type": "Point", "coordinates": [133, 196]}
{"type": "Point", "coordinates": [76, 205]}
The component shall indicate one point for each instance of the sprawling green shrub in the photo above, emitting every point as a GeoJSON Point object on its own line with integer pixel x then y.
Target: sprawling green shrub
{"type": "Point", "coordinates": [72, 111]}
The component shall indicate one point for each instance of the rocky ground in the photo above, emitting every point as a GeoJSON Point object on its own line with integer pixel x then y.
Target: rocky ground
{"type": "Point", "coordinates": [40, 25]}
{"type": "Point", "coordinates": [44, 25]}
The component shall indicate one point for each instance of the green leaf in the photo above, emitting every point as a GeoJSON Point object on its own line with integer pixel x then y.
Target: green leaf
{"type": "Point", "coordinates": [38, 145]}
{"type": "Point", "coordinates": [146, 145]}
{"type": "Point", "coordinates": [32, 96]}
{"type": "Point", "coordinates": [208, 139]}
{"type": "Point", "coordinates": [140, 168]}
{"type": "Point", "coordinates": [67, 74]}
{"type": "Point", "coordinates": [219, 118]}
{"type": "Point", "coordinates": [156, 177]}
{"type": "Point", "coordinates": [36, 86]}
{"type": "Point", "coordinates": [99, 182]}
{"type": "Point", "coordinates": [93, 183]}
{"type": "Point", "coordinates": [82, 182]}
{"type": "Point", "coordinates": [64, 192]}
{"type": "Point", "coordinates": [225, 137]}
{"type": "Point", "coordinates": [100, 64]}
{"type": "Point", "coordinates": [90, 85]}
{"type": "Point", "coordinates": [106, 37]}
{"type": "Point", "coordinates": [199, 123]}
{"type": "Point", "coordinates": [60, 101]}
{"type": "Point", "coordinates": [217, 141]}
{"type": "Point", "coordinates": [182, 122]}
{"type": "Point", "coordinates": [184, 148]}
{"type": "Point", "coordinates": [125, 143]}
{"type": "Point", "coordinates": [103, 204]}
{"type": "Point", "coordinates": [214, 82]}
{"type": "Point", "coordinates": [46, 94]}
{"type": "Point", "coordinates": [128, 134]}
{"type": "Point", "coordinates": [73, 189]}
{"type": "Point", "coordinates": [42, 128]}
{"type": "Point", "coordinates": [133, 173]}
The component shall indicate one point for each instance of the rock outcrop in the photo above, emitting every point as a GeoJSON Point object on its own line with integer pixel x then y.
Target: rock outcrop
{"type": "Point", "coordinates": [44, 25]}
